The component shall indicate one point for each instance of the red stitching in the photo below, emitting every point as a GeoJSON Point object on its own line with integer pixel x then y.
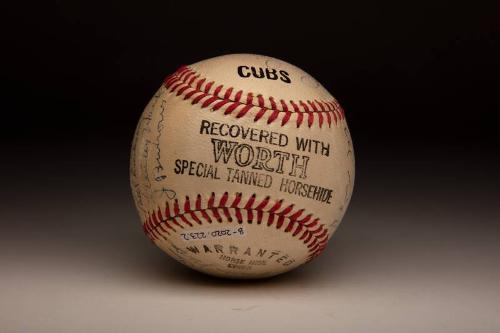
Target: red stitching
{"type": "Point", "coordinates": [313, 234]}
{"type": "Point", "coordinates": [185, 81]}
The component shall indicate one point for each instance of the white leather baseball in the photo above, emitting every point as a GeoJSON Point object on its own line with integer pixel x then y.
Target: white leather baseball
{"type": "Point", "coordinates": [242, 166]}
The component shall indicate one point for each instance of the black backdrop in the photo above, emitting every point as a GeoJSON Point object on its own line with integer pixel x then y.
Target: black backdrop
{"type": "Point", "coordinates": [412, 73]}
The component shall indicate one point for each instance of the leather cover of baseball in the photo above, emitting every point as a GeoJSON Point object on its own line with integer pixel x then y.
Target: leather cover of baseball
{"type": "Point", "coordinates": [242, 166]}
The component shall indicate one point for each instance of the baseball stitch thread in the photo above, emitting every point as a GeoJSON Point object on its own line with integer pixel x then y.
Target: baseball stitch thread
{"type": "Point", "coordinates": [186, 82]}
{"type": "Point", "coordinates": [276, 214]}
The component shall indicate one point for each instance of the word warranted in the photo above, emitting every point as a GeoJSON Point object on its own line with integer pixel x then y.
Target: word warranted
{"type": "Point", "coordinates": [242, 255]}
{"type": "Point", "coordinates": [309, 191]}
{"type": "Point", "coordinates": [212, 234]}
{"type": "Point", "coordinates": [261, 73]}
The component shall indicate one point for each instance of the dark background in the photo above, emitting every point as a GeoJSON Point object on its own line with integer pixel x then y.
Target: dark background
{"type": "Point", "coordinates": [421, 73]}
{"type": "Point", "coordinates": [420, 86]}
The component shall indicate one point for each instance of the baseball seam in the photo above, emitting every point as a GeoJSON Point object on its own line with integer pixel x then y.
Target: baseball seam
{"type": "Point", "coordinates": [208, 94]}
{"type": "Point", "coordinates": [171, 218]}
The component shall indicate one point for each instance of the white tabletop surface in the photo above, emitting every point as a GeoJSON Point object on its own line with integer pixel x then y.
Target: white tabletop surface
{"type": "Point", "coordinates": [74, 259]}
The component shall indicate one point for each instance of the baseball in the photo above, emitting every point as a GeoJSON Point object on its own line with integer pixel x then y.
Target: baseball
{"type": "Point", "coordinates": [242, 166]}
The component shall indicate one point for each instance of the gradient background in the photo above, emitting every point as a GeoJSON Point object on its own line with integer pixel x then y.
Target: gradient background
{"type": "Point", "coordinates": [419, 249]}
